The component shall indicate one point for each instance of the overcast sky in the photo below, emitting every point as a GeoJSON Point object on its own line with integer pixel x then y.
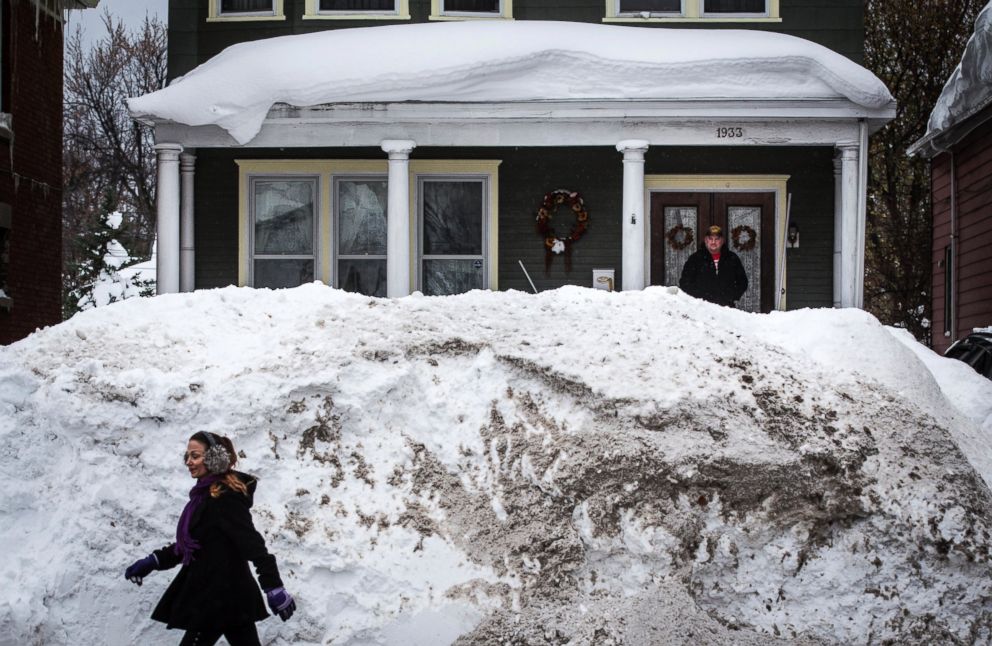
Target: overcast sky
{"type": "Point", "coordinates": [132, 12]}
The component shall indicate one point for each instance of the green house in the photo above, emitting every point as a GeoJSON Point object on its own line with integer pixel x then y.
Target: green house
{"type": "Point", "coordinates": [392, 146]}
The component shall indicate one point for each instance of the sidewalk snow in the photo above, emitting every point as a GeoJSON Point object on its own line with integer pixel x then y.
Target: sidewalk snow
{"type": "Point", "coordinates": [573, 467]}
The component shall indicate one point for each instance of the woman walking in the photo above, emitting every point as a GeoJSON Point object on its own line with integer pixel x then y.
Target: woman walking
{"type": "Point", "coordinates": [214, 593]}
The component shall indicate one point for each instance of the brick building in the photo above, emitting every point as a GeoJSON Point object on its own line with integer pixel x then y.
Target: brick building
{"type": "Point", "coordinates": [31, 163]}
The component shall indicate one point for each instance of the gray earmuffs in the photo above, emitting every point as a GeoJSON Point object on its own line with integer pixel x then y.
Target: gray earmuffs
{"type": "Point", "coordinates": [216, 459]}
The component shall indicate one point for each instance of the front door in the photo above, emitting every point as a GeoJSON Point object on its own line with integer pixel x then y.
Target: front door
{"type": "Point", "coordinates": [678, 221]}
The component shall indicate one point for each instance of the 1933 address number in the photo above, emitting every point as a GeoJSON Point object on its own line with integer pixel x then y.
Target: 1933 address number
{"type": "Point", "coordinates": [729, 133]}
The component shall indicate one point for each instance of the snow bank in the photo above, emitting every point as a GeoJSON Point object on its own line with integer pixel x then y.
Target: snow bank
{"type": "Point", "coordinates": [521, 60]}
{"type": "Point", "coordinates": [574, 467]}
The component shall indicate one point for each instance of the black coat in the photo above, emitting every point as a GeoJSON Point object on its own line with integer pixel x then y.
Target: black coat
{"type": "Point", "coordinates": [216, 590]}
{"type": "Point", "coordinates": [701, 279]}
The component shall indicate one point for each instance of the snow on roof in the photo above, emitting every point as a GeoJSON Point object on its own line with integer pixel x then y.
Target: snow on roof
{"type": "Point", "coordinates": [503, 61]}
{"type": "Point", "coordinates": [969, 88]}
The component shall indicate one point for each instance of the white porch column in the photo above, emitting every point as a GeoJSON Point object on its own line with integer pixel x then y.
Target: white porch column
{"type": "Point", "coordinates": [849, 182]}
{"type": "Point", "coordinates": [632, 215]}
{"type": "Point", "coordinates": [398, 217]}
{"type": "Point", "coordinates": [167, 208]}
{"type": "Point", "coordinates": [838, 220]}
{"type": "Point", "coordinates": [187, 164]}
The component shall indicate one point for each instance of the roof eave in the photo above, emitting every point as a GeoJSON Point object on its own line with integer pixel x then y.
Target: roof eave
{"type": "Point", "coordinates": [532, 123]}
{"type": "Point", "coordinates": [941, 141]}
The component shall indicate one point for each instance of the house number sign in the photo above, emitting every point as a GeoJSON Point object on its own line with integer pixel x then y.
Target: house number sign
{"type": "Point", "coordinates": [729, 132]}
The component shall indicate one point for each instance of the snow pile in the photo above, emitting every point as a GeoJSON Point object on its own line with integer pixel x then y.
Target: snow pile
{"type": "Point", "coordinates": [522, 60]}
{"type": "Point", "coordinates": [969, 89]}
{"type": "Point", "coordinates": [574, 467]}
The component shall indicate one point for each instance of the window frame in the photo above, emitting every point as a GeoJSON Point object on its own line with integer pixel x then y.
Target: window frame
{"type": "Point", "coordinates": [401, 11]}
{"type": "Point", "coordinates": [417, 212]}
{"type": "Point", "coordinates": [328, 169]}
{"type": "Point", "coordinates": [335, 242]}
{"type": "Point", "coordinates": [214, 13]}
{"type": "Point", "coordinates": [693, 11]}
{"type": "Point", "coordinates": [6, 235]}
{"type": "Point", "coordinates": [315, 253]}
{"type": "Point", "coordinates": [439, 13]}
{"type": "Point", "coordinates": [651, 14]}
{"type": "Point", "coordinates": [722, 14]}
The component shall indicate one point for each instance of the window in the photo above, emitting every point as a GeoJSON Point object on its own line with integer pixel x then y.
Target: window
{"type": "Point", "coordinates": [451, 215]}
{"type": "Point", "coordinates": [283, 231]}
{"type": "Point", "coordinates": [360, 216]}
{"type": "Point", "coordinates": [245, 10]}
{"type": "Point", "coordinates": [357, 10]}
{"type": "Point", "coordinates": [737, 7]}
{"type": "Point", "coordinates": [5, 226]}
{"type": "Point", "coordinates": [462, 9]}
{"type": "Point", "coordinates": [692, 10]}
{"type": "Point", "coordinates": [301, 220]}
{"type": "Point", "coordinates": [650, 6]}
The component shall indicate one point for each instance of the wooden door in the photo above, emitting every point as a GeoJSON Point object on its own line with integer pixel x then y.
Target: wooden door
{"type": "Point", "coordinates": [679, 220]}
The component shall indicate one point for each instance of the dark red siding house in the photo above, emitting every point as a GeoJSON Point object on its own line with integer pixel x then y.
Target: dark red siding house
{"type": "Point", "coordinates": [31, 163]}
{"type": "Point", "coordinates": [959, 145]}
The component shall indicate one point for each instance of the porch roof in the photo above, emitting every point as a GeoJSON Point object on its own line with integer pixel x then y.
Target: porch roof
{"type": "Point", "coordinates": [408, 80]}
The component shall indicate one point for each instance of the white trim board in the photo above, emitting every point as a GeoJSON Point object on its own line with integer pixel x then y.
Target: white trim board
{"type": "Point", "coordinates": [579, 123]}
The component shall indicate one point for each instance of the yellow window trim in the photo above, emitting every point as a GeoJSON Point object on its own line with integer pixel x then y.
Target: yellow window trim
{"type": "Point", "coordinates": [402, 13]}
{"type": "Point", "coordinates": [732, 183]}
{"type": "Point", "coordinates": [451, 167]}
{"type": "Point", "coordinates": [326, 169]}
{"type": "Point", "coordinates": [692, 12]}
{"type": "Point", "coordinates": [214, 14]}
{"type": "Point", "coordinates": [505, 14]}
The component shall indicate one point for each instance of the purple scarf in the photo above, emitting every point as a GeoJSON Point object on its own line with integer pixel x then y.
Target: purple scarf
{"type": "Point", "coordinates": [185, 545]}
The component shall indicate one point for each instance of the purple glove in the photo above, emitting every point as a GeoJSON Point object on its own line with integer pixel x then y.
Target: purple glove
{"type": "Point", "coordinates": [281, 602]}
{"type": "Point", "coordinates": [141, 569]}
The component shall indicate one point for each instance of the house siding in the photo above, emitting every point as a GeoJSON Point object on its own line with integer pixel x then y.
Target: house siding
{"type": "Point", "coordinates": [525, 175]}
{"type": "Point", "coordinates": [973, 168]}
{"type": "Point", "coordinates": [836, 24]}
{"type": "Point", "coordinates": [31, 169]}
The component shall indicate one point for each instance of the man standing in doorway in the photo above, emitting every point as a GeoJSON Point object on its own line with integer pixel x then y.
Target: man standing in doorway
{"type": "Point", "coordinates": [714, 273]}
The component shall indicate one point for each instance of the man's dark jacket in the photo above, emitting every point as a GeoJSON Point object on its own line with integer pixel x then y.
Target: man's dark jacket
{"type": "Point", "coordinates": [216, 590]}
{"type": "Point", "coordinates": [702, 279]}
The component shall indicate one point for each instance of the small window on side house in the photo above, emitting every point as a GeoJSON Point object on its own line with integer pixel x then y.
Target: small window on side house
{"type": "Point", "coordinates": [283, 231]}
{"type": "Point", "coordinates": [665, 7]}
{"type": "Point", "coordinates": [735, 7]}
{"type": "Point", "coordinates": [5, 228]}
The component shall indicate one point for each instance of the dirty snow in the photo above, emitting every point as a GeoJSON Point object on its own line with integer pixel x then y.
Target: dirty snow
{"type": "Point", "coordinates": [575, 467]}
{"type": "Point", "coordinates": [522, 60]}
